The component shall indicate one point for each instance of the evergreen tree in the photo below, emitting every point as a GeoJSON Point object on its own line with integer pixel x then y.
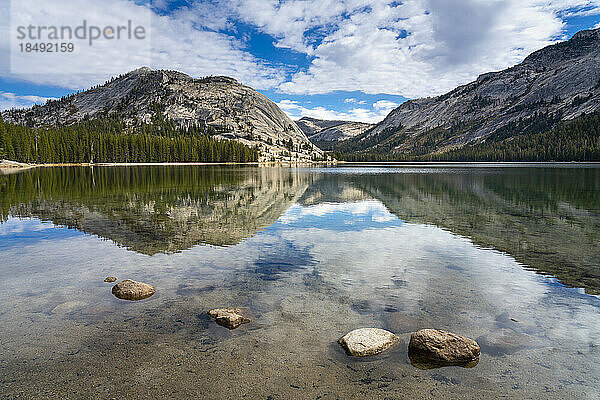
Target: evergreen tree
{"type": "Point", "coordinates": [3, 134]}
{"type": "Point", "coordinates": [109, 140]}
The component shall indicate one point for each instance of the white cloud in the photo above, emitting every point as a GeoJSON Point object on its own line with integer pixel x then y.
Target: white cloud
{"type": "Point", "coordinates": [354, 101]}
{"type": "Point", "coordinates": [183, 41]}
{"type": "Point", "coordinates": [414, 48]}
{"type": "Point", "coordinates": [296, 110]}
{"type": "Point", "coordinates": [417, 48]}
{"type": "Point", "coordinates": [385, 105]}
{"type": "Point", "coordinates": [597, 26]}
{"type": "Point", "coordinates": [11, 100]}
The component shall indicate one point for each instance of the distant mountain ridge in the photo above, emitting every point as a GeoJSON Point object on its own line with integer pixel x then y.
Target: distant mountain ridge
{"type": "Point", "coordinates": [558, 83]}
{"type": "Point", "coordinates": [326, 132]}
{"type": "Point", "coordinates": [230, 109]}
{"type": "Point", "coordinates": [310, 125]}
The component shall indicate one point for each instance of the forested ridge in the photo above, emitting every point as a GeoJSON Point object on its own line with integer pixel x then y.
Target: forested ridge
{"type": "Point", "coordinates": [524, 140]}
{"type": "Point", "coordinates": [110, 140]}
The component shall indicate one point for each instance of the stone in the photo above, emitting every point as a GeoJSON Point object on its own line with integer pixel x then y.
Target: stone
{"type": "Point", "coordinates": [13, 164]}
{"type": "Point", "coordinates": [110, 279]}
{"type": "Point", "coordinates": [442, 346]}
{"type": "Point", "coordinates": [503, 341]}
{"type": "Point", "coordinates": [230, 318]}
{"type": "Point", "coordinates": [68, 307]}
{"type": "Point", "coordinates": [132, 290]}
{"type": "Point", "coordinates": [365, 342]}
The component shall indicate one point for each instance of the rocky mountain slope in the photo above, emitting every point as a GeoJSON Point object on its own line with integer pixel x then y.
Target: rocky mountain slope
{"type": "Point", "coordinates": [233, 110]}
{"type": "Point", "coordinates": [340, 132]}
{"type": "Point", "coordinates": [319, 131]}
{"type": "Point", "coordinates": [310, 126]}
{"type": "Point", "coordinates": [557, 83]}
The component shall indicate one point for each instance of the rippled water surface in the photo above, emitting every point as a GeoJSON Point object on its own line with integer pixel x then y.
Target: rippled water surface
{"type": "Point", "coordinates": [509, 256]}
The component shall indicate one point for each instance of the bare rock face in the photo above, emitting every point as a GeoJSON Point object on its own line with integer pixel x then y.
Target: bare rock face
{"type": "Point", "coordinates": [132, 290]}
{"type": "Point", "coordinates": [339, 133]}
{"type": "Point", "coordinates": [110, 279]}
{"type": "Point", "coordinates": [230, 318]}
{"type": "Point", "coordinates": [441, 346]}
{"type": "Point", "coordinates": [311, 126]}
{"type": "Point", "coordinates": [365, 342]}
{"type": "Point", "coordinates": [12, 167]}
{"type": "Point", "coordinates": [13, 164]}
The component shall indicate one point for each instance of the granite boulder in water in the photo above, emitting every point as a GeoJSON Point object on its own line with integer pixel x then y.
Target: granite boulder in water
{"type": "Point", "coordinates": [441, 346]}
{"type": "Point", "coordinates": [132, 290]}
{"type": "Point", "coordinates": [230, 318]}
{"type": "Point", "coordinates": [365, 342]}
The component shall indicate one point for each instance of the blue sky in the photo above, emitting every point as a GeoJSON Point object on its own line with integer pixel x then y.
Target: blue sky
{"type": "Point", "coordinates": [350, 59]}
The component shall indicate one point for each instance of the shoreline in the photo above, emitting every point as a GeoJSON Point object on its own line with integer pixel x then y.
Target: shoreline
{"type": "Point", "coordinates": [10, 167]}
{"type": "Point", "coordinates": [7, 166]}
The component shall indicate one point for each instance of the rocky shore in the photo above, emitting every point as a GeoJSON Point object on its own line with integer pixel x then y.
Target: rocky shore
{"type": "Point", "coordinates": [7, 167]}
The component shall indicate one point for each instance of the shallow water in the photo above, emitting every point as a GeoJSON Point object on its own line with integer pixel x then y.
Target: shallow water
{"type": "Point", "coordinates": [507, 256]}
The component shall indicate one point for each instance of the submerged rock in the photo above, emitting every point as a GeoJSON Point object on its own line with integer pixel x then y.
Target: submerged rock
{"type": "Point", "coordinates": [68, 307]}
{"type": "Point", "coordinates": [503, 341]}
{"type": "Point", "coordinates": [132, 290]}
{"type": "Point", "coordinates": [365, 342]}
{"type": "Point", "coordinates": [230, 318]}
{"type": "Point", "coordinates": [110, 279]}
{"type": "Point", "coordinates": [441, 346]}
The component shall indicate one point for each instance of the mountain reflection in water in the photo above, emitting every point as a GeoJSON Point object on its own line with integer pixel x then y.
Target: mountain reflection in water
{"type": "Point", "coordinates": [548, 219]}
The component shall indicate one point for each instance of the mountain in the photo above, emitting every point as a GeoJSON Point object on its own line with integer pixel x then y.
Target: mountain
{"type": "Point", "coordinates": [221, 105]}
{"type": "Point", "coordinates": [310, 126]}
{"type": "Point", "coordinates": [325, 133]}
{"type": "Point", "coordinates": [340, 132]}
{"type": "Point", "coordinates": [558, 83]}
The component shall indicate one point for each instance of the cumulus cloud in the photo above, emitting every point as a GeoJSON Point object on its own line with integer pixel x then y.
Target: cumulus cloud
{"type": "Point", "coordinates": [415, 48]}
{"type": "Point", "coordinates": [182, 40]}
{"type": "Point", "coordinates": [11, 100]}
{"type": "Point", "coordinates": [354, 101]}
{"type": "Point", "coordinates": [377, 113]}
{"type": "Point", "coordinates": [412, 48]}
{"type": "Point", "coordinates": [385, 105]}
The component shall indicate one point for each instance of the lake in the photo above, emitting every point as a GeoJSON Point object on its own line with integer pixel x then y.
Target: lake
{"type": "Point", "coordinates": [506, 255]}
